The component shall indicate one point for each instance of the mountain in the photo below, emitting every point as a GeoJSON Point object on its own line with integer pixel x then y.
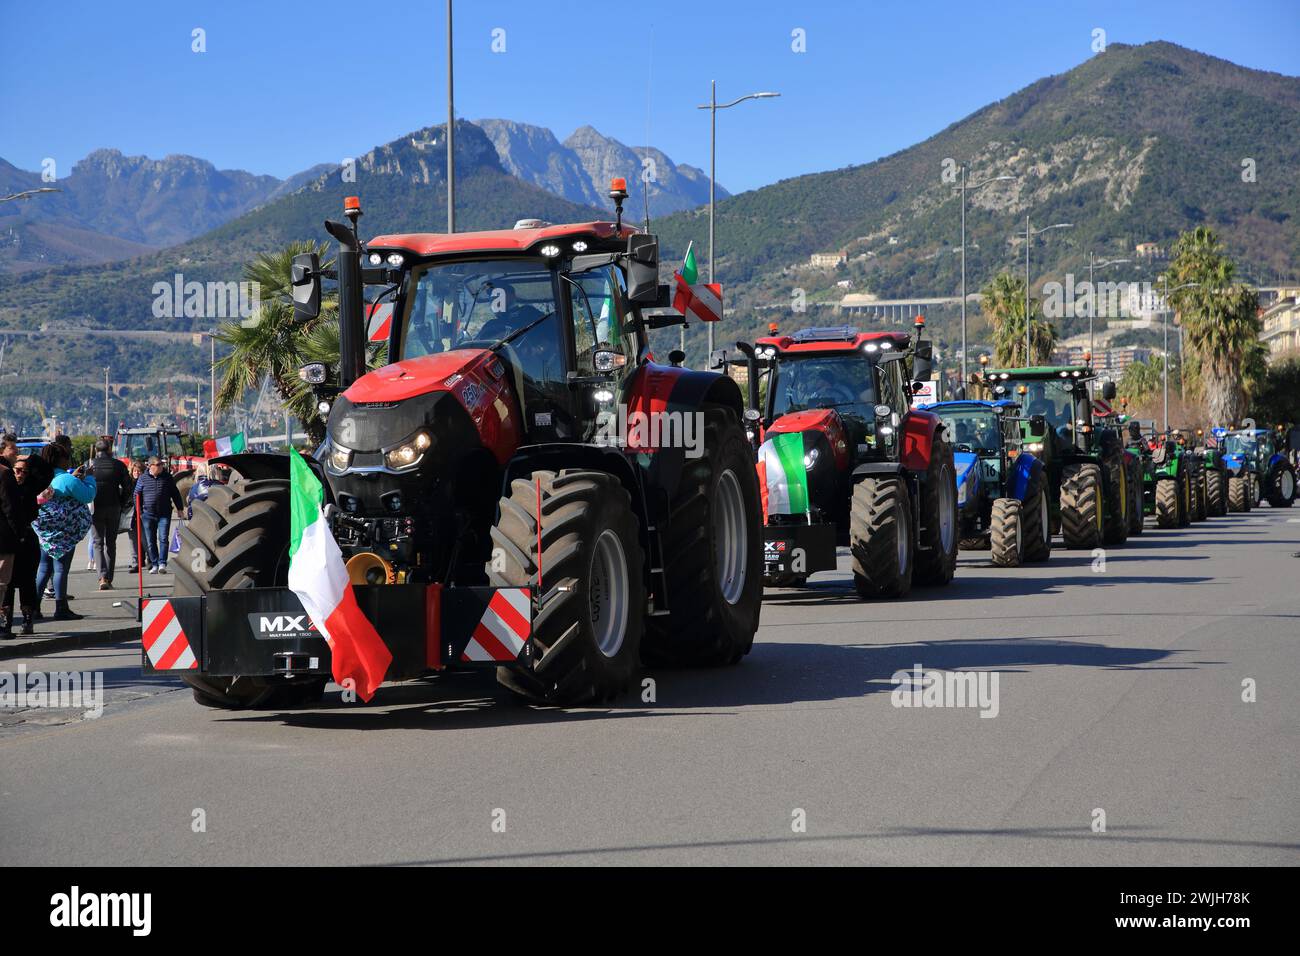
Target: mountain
{"type": "Point", "coordinates": [580, 168]}
{"type": "Point", "coordinates": [112, 206]}
{"type": "Point", "coordinates": [1136, 144]}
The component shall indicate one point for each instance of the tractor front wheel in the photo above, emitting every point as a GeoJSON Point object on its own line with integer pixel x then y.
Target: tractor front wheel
{"type": "Point", "coordinates": [1215, 494]}
{"type": "Point", "coordinates": [1007, 533]}
{"type": "Point", "coordinates": [1036, 521]}
{"type": "Point", "coordinates": [880, 538]}
{"type": "Point", "coordinates": [1115, 524]}
{"type": "Point", "coordinates": [1239, 493]}
{"type": "Point", "coordinates": [587, 634]}
{"type": "Point", "coordinates": [1281, 488]}
{"type": "Point", "coordinates": [1081, 505]}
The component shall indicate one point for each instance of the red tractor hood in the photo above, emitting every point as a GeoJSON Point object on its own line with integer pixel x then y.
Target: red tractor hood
{"type": "Point", "coordinates": [411, 377]}
{"type": "Point", "coordinates": [824, 420]}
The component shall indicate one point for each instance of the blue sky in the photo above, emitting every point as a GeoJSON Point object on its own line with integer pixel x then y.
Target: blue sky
{"type": "Point", "coordinates": [285, 85]}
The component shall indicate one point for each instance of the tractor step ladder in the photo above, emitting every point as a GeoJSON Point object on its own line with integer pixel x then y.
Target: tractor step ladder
{"type": "Point", "coordinates": [658, 576]}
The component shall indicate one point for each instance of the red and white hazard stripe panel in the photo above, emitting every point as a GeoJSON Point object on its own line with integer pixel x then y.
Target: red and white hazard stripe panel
{"type": "Point", "coordinates": [164, 640]}
{"type": "Point", "coordinates": [503, 629]}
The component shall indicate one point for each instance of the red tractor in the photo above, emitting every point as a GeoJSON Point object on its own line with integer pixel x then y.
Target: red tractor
{"type": "Point", "coordinates": [844, 456]}
{"type": "Point", "coordinates": [491, 506]}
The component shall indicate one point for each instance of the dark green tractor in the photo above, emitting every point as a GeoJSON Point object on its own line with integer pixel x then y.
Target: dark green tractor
{"type": "Point", "coordinates": [1088, 471]}
{"type": "Point", "coordinates": [1198, 493]}
{"type": "Point", "coordinates": [1172, 480]}
{"type": "Point", "coordinates": [1216, 476]}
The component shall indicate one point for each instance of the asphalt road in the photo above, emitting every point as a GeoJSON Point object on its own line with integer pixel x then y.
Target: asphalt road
{"type": "Point", "coordinates": [1119, 690]}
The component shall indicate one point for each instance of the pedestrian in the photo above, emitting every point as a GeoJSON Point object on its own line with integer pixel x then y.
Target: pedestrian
{"type": "Point", "coordinates": [155, 494]}
{"type": "Point", "coordinates": [133, 524]}
{"type": "Point", "coordinates": [61, 523]}
{"type": "Point", "coordinates": [113, 488]}
{"type": "Point", "coordinates": [31, 476]}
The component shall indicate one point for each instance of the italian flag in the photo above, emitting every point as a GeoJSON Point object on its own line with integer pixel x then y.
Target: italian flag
{"type": "Point", "coordinates": [317, 576]}
{"type": "Point", "coordinates": [230, 445]}
{"type": "Point", "coordinates": [782, 477]}
{"type": "Point", "coordinates": [693, 300]}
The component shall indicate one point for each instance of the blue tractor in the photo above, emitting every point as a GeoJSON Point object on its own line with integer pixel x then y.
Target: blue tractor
{"type": "Point", "coordinates": [1002, 493]}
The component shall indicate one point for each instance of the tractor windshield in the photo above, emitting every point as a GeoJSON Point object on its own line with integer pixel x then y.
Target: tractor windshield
{"type": "Point", "coordinates": [137, 445]}
{"type": "Point", "coordinates": [843, 382]}
{"type": "Point", "coordinates": [1241, 445]}
{"type": "Point", "coordinates": [973, 430]}
{"type": "Point", "coordinates": [1051, 398]}
{"type": "Point", "coordinates": [478, 304]}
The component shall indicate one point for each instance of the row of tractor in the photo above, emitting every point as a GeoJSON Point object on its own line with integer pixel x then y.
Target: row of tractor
{"type": "Point", "coordinates": [845, 459]}
{"type": "Point", "coordinates": [523, 488]}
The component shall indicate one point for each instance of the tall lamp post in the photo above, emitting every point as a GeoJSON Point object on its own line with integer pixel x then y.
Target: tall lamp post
{"type": "Point", "coordinates": [1164, 281]}
{"type": "Point", "coordinates": [965, 188]}
{"type": "Point", "coordinates": [713, 106]}
{"type": "Point", "coordinates": [451, 134]}
{"type": "Point", "coordinates": [1093, 265]}
{"type": "Point", "coordinates": [1029, 237]}
{"type": "Point", "coordinates": [106, 399]}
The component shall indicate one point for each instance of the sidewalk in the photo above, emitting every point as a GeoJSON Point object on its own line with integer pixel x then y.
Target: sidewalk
{"type": "Point", "coordinates": [103, 623]}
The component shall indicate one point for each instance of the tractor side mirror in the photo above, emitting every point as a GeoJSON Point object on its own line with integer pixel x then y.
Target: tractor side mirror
{"type": "Point", "coordinates": [313, 373]}
{"type": "Point", "coordinates": [718, 359]}
{"type": "Point", "coordinates": [305, 279]}
{"type": "Point", "coordinates": [1108, 391]}
{"type": "Point", "coordinates": [642, 283]}
{"type": "Point", "coordinates": [1038, 425]}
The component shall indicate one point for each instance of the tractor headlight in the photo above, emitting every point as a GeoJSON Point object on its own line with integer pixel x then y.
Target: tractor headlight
{"type": "Point", "coordinates": [810, 459]}
{"type": "Point", "coordinates": [1034, 448]}
{"type": "Point", "coordinates": [340, 458]}
{"type": "Point", "coordinates": [409, 453]}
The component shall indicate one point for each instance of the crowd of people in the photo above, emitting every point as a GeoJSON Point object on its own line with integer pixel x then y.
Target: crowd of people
{"type": "Point", "coordinates": [48, 506]}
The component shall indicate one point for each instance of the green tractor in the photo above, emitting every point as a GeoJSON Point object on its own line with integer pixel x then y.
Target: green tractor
{"type": "Point", "coordinates": [1172, 482]}
{"type": "Point", "coordinates": [1198, 495]}
{"type": "Point", "coordinates": [1087, 469]}
{"type": "Point", "coordinates": [1138, 435]}
{"type": "Point", "coordinates": [1216, 471]}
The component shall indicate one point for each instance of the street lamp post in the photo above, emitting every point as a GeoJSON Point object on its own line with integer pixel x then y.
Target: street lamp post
{"type": "Point", "coordinates": [1164, 281]}
{"type": "Point", "coordinates": [451, 134]}
{"type": "Point", "coordinates": [964, 189]}
{"type": "Point", "coordinates": [106, 399]}
{"type": "Point", "coordinates": [1029, 237]}
{"type": "Point", "coordinates": [1092, 293]}
{"type": "Point", "coordinates": [713, 106]}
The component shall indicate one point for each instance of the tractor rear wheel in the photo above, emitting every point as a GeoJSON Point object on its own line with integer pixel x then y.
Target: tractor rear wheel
{"type": "Point", "coordinates": [239, 538]}
{"type": "Point", "coordinates": [1007, 533]}
{"type": "Point", "coordinates": [1184, 498]}
{"type": "Point", "coordinates": [1238, 493]}
{"type": "Point", "coordinates": [1136, 519]}
{"type": "Point", "coordinates": [592, 596]}
{"type": "Point", "coordinates": [1215, 494]}
{"type": "Point", "coordinates": [880, 538]}
{"type": "Point", "coordinates": [1199, 512]}
{"type": "Point", "coordinates": [1281, 487]}
{"type": "Point", "coordinates": [1081, 505]}
{"type": "Point", "coordinates": [1036, 521]}
{"type": "Point", "coordinates": [1115, 522]}
{"type": "Point", "coordinates": [713, 554]}
{"type": "Point", "coordinates": [936, 556]}
{"type": "Point", "coordinates": [1168, 504]}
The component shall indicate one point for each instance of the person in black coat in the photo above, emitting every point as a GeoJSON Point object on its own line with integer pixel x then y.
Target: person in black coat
{"type": "Point", "coordinates": [113, 488]}
{"type": "Point", "coordinates": [22, 479]}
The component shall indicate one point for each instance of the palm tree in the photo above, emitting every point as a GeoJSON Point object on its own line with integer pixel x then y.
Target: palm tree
{"type": "Point", "coordinates": [1220, 318]}
{"type": "Point", "coordinates": [1003, 301]}
{"type": "Point", "coordinates": [1143, 380]}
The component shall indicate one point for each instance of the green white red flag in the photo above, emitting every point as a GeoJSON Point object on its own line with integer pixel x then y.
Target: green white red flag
{"type": "Point", "coordinates": [693, 299]}
{"type": "Point", "coordinates": [320, 580]}
{"type": "Point", "coordinates": [782, 475]}
{"type": "Point", "coordinates": [229, 445]}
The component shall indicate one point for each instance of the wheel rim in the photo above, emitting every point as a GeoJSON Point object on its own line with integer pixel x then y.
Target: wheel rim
{"type": "Point", "coordinates": [607, 593]}
{"type": "Point", "coordinates": [947, 511]}
{"type": "Point", "coordinates": [1287, 485]}
{"type": "Point", "coordinates": [730, 537]}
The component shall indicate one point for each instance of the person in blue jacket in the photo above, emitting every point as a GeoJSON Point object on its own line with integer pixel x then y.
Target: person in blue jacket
{"type": "Point", "coordinates": [155, 493]}
{"type": "Point", "coordinates": [61, 523]}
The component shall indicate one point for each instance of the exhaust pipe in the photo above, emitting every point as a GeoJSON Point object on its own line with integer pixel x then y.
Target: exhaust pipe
{"type": "Point", "coordinates": [352, 323]}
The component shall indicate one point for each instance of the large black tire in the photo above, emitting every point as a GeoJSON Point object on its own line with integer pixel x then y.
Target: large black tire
{"type": "Point", "coordinates": [713, 553]}
{"type": "Point", "coordinates": [936, 554]}
{"type": "Point", "coordinates": [587, 634]}
{"type": "Point", "coordinates": [1198, 509]}
{"type": "Point", "coordinates": [881, 541]}
{"type": "Point", "coordinates": [1036, 518]}
{"type": "Point", "coordinates": [1238, 493]}
{"type": "Point", "coordinates": [1007, 533]}
{"type": "Point", "coordinates": [1081, 514]}
{"type": "Point", "coordinates": [1168, 503]}
{"type": "Point", "coordinates": [1136, 519]}
{"type": "Point", "coordinates": [239, 538]}
{"type": "Point", "coordinates": [1281, 486]}
{"type": "Point", "coordinates": [1114, 529]}
{"type": "Point", "coordinates": [1216, 493]}
{"type": "Point", "coordinates": [1184, 498]}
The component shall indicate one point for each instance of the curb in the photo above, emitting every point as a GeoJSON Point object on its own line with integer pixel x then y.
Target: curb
{"type": "Point", "coordinates": [63, 642]}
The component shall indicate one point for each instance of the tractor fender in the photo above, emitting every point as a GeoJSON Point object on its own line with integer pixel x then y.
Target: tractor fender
{"type": "Point", "coordinates": [1024, 472]}
{"type": "Point", "coordinates": [659, 389]}
{"type": "Point", "coordinates": [872, 468]}
{"type": "Point", "coordinates": [919, 429]}
{"type": "Point", "coordinates": [1275, 461]}
{"type": "Point", "coordinates": [967, 465]}
{"type": "Point", "coordinates": [258, 465]}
